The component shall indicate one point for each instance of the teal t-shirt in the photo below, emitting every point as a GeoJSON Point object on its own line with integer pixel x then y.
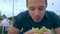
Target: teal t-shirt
{"type": "Point", "coordinates": [24, 20]}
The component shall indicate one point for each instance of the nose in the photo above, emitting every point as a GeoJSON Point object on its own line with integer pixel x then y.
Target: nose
{"type": "Point", "coordinates": [37, 12]}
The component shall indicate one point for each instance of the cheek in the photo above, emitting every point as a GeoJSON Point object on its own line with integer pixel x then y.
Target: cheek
{"type": "Point", "coordinates": [31, 13]}
{"type": "Point", "coordinates": [43, 11]}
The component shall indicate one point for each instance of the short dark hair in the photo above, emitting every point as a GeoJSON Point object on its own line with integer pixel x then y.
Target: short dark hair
{"type": "Point", "coordinates": [4, 16]}
{"type": "Point", "coordinates": [45, 1]}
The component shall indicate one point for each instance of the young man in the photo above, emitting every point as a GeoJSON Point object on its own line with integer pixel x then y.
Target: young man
{"type": "Point", "coordinates": [36, 16]}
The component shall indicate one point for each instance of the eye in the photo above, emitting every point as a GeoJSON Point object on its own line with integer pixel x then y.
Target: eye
{"type": "Point", "coordinates": [41, 8]}
{"type": "Point", "coordinates": [32, 9]}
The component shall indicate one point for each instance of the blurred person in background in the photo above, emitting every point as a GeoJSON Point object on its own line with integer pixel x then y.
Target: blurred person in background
{"type": "Point", "coordinates": [6, 24]}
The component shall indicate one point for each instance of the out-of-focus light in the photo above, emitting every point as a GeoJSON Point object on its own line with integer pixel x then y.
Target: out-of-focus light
{"type": "Point", "coordinates": [16, 1]}
{"type": "Point", "coordinates": [52, 3]}
{"type": "Point", "coordinates": [4, 0]}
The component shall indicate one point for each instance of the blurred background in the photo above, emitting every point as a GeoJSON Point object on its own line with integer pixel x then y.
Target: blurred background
{"type": "Point", "coordinates": [14, 7]}
{"type": "Point", "coordinates": [11, 8]}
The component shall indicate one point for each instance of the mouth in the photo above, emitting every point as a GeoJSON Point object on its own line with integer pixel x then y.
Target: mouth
{"type": "Point", "coordinates": [37, 19]}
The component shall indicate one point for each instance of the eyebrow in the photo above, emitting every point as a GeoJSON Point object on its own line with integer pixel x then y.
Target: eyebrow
{"type": "Point", "coordinates": [33, 6]}
{"type": "Point", "coordinates": [41, 6]}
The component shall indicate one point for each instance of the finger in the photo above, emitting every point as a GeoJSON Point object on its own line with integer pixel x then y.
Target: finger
{"type": "Point", "coordinates": [47, 32]}
{"type": "Point", "coordinates": [29, 32]}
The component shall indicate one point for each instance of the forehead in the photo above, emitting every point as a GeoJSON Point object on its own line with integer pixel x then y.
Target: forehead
{"type": "Point", "coordinates": [36, 3]}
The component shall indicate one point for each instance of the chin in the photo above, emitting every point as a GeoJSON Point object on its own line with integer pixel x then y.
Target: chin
{"type": "Point", "coordinates": [37, 21]}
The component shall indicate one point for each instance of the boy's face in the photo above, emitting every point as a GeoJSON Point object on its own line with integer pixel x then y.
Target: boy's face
{"type": "Point", "coordinates": [36, 9]}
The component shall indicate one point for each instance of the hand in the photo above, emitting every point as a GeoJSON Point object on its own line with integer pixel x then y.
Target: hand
{"type": "Point", "coordinates": [30, 32]}
{"type": "Point", "coordinates": [49, 32]}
